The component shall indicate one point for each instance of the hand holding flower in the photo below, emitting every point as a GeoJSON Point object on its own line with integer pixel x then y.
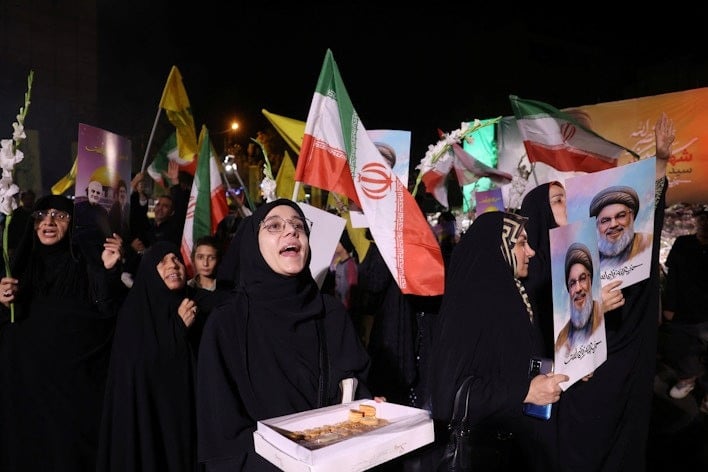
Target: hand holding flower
{"type": "Point", "coordinates": [8, 289]}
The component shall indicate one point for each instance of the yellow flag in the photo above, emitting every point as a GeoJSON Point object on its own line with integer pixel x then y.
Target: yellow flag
{"type": "Point", "coordinates": [66, 182]}
{"type": "Point", "coordinates": [285, 180]}
{"type": "Point", "coordinates": [290, 129]}
{"type": "Point", "coordinates": [176, 104]}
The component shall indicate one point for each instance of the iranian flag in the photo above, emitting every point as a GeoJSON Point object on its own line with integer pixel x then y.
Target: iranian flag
{"type": "Point", "coordinates": [207, 201]}
{"type": "Point", "coordinates": [338, 155]}
{"type": "Point", "coordinates": [169, 152]}
{"type": "Point", "coordinates": [435, 179]}
{"type": "Point", "coordinates": [560, 140]}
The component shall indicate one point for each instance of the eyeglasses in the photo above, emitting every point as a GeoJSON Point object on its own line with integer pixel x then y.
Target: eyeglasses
{"type": "Point", "coordinates": [276, 225]}
{"type": "Point", "coordinates": [58, 215]}
{"type": "Point", "coordinates": [622, 218]}
{"type": "Point", "coordinates": [582, 280]}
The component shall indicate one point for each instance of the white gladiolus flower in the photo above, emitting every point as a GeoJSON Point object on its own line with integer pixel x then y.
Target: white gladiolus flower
{"type": "Point", "coordinates": [18, 133]}
{"type": "Point", "coordinates": [268, 189]}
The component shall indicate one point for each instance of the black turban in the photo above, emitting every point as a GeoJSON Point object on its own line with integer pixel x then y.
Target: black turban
{"type": "Point", "coordinates": [617, 194]}
{"type": "Point", "coordinates": [577, 253]}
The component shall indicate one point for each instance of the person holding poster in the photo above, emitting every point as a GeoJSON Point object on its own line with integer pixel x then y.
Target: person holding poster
{"type": "Point", "coordinates": [487, 328]}
{"type": "Point", "coordinates": [612, 410]}
{"type": "Point", "coordinates": [545, 207]}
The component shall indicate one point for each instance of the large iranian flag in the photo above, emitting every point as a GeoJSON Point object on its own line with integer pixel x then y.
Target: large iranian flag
{"type": "Point", "coordinates": [560, 140]}
{"type": "Point", "coordinates": [336, 147]}
{"type": "Point", "coordinates": [207, 201]}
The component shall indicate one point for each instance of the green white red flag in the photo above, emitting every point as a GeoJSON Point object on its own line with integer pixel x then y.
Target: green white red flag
{"type": "Point", "coordinates": [338, 155]}
{"type": "Point", "coordinates": [435, 179]}
{"type": "Point", "coordinates": [559, 139]}
{"type": "Point", "coordinates": [169, 152]}
{"type": "Point", "coordinates": [207, 204]}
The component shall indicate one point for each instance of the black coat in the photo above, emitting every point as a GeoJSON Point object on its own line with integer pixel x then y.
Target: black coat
{"type": "Point", "coordinates": [148, 421]}
{"type": "Point", "coordinates": [277, 346]}
{"type": "Point", "coordinates": [54, 358]}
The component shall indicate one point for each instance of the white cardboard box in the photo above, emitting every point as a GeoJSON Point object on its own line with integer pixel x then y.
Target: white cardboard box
{"type": "Point", "coordinates": [408, 429]}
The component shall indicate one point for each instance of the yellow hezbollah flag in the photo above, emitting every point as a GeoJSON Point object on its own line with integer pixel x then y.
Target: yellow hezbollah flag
{"type": "Point", "coordinates": [176, 104]}
{"type": "Point", "coordinates": [66, 182]}
{"type": "Point", "coordinates": [285, 180]}
{"type": "Point", "coordinates": [290, 129]}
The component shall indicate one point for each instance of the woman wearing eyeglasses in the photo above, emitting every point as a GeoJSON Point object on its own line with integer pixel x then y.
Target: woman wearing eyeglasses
{"type": "Point", "coordinates": [278, 346]}
{"type": "Point", "coordinates": [54, 357]}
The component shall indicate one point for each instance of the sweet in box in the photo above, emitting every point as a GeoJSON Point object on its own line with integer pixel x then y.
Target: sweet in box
{"type": "Point", "coordinates": [286, 441]}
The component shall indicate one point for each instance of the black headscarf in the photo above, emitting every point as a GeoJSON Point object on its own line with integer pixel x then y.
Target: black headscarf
{"type": "Point", "coordinates": [266, 351]}
{"type": "Point", "coordinates": [49, 270]}
{"type": "Point", "coordinates": [293, 298]}
{"type": "Point", "coordinates": [150, 309]}
{"type": "Point", "coordinates": [229, 266]}
{"type": "Point", "coordinates": [536, 206]}
{"type": "Point", "coordinates": [51, 399]}
{"type": "Point", "coordinates": [484, 327]}
{"type": "Point", "coordinates": [148, 414]}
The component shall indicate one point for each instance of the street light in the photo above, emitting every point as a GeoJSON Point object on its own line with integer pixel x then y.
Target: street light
{"type": "Point", "coordinates": [229, 135]}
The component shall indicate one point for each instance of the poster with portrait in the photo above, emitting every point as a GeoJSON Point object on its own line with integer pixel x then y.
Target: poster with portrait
{"type": "Point", "coordinates": [102, 179]}
{"type": "Point", "coordinates": [621, 200]}
{"type": "Point", "coordinates": [578, 321]}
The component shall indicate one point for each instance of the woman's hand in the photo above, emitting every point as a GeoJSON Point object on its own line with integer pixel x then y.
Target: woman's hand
{"type": "Point", "coordinates": [8, 289]}
{"type": "Point", "coordinates": [612, 297]}
{"type": "Point", "coordinates": [545, 388]}
{"type": "Point", "coordinates": [111, 251]}
{"type": "Point", "coordinates": [188, 311]}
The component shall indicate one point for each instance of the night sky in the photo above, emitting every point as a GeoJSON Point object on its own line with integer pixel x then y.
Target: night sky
{"type": "Point", "coordinates": [412, 69]}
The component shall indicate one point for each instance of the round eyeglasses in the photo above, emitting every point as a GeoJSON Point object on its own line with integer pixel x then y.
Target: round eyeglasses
{"type": "Point", "coordinates": [276, 225]}
{"type": "Point", "coordinates": [58, 215]}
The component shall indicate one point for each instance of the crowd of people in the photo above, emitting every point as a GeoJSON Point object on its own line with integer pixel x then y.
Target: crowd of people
{"type": "Point", "coordinates": [114, 358]}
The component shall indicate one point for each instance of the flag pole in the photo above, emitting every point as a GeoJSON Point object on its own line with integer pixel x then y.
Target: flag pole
{"type": "Point", "coordinates": [245, 189]}
{"type": "Point", "coordinates": [152, 135]}
{"type": "Point", "coordinates": [296, 190]}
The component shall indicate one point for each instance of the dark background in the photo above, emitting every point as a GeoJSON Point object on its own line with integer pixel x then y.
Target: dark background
{"type": "Point", "coordinates": [415, 67]}
{"type": "Point", "coordinates": [412, 68]}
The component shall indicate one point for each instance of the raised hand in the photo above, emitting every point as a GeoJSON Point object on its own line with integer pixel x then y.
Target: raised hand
{"type": "Point", "coordinates": [111, 251]}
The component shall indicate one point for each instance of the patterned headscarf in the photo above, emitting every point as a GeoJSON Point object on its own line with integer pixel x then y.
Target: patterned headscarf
{"type": "Point", "coordinates": [512, 227]}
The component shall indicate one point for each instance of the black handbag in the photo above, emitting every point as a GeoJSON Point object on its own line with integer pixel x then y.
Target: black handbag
{"type": "Point", "coordinates": [457, 456]}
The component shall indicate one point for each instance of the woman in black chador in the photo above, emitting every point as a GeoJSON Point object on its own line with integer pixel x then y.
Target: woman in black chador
{"type": "Point", "coordinates": [54, 357]}
{"type": "Point", "coordinates": [148, 415]}
{"type": "Point", "coordinates": [487, 329]}
{"type": "Point", "coordinates": [278, 346]}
